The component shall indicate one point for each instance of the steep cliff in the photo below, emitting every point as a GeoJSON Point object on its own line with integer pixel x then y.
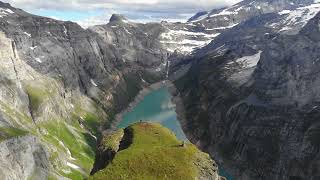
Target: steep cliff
{"type": "Point", "coordinates": [60, 82]}
{"type": "Point", "coordinates": [251, 99]}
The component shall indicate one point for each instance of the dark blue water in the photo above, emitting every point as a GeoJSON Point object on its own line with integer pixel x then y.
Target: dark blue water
{"type": "Point", "coordinates": [223, 173]}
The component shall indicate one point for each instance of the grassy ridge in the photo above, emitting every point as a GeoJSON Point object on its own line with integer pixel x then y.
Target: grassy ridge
{"type": "Point", "coordinates": [155, 153]}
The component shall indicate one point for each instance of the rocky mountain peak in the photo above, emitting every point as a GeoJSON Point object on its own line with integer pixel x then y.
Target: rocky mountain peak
{"type": "Point", "coordinates": [5, 5]}
{"type": "Point", "coordinates": [198, 16]}
{"type": "Point", "coordinates": [117, 18]}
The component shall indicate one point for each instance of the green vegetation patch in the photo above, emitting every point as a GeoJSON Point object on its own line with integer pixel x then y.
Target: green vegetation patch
{"type": "Point", "coordinates": [155, 153]}
{"type": "Point", "coordinates": [36, 95]}
{"type": "Point", "coordinates": [11, 132]}
{"type": "Point", "coordinates": [15, 115]}
{"type": "Point", "coordinates": [90, 119]}
{"type": "Point", "coordinates": [74, 175]}
{"type": "Point", "coordinates": [61, 136]}
{"type": "Point", "coordinates": [112, 141]}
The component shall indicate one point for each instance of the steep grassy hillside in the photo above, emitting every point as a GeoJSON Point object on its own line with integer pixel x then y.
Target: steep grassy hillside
{"type": "Point", "coordinates": [150, 151]}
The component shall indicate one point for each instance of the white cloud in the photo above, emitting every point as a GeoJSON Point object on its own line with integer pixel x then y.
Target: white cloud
{"type": "Point", "coordinates": [91, 21]}
{"type": "Point", "coordinates": [138, 10]}
{"type": "Point", "coordinates": [96, 20]}
{"type": "Point", "coordinates": [123, 4]}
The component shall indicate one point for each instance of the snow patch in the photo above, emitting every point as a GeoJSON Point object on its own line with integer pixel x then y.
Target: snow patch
{"type": "Point", "coordinates": [67, 149]}
{"type": "Point", "coordinates": [284, 12]}
{"type": "Point", "coordinates": [9, 11]}
{"type": "Point", "coordinates": [5, 12]}
{"type": "Point", "coordinates": [225, 13]}
{"type": "Point", "coordinates": [73, 165]}
{"type": "Point", "coordinates": [125, 29]}
{"type": "Point", "coordinates": [185, 41]}
{"type": "Point", "coordinates": [223, 27]}
{"type": "Point", "coordinates": [33, 48]}
{"type": "Point", "coordinates": [27, 34]}
{"type": "Point", "coordinates": [125, 21]}
{"type": "Point", "coordinates": [65, 30]}
{"type": "Point", "coordinates": [93, 83]}
{"type": "Point", "coordinates": [38, 60]}
{"type": "Point", "coordinates": [298, 17]}
{"type": "Point", "coordinates": [249, 61]}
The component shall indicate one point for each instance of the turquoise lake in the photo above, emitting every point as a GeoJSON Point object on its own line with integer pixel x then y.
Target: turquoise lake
{"type": "Point", "coordinates": [155, 107]}
{"type": "Point", "coordinates": [158, 107]}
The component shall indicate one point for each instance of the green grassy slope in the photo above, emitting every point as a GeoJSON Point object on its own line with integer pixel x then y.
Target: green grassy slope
{"type": "Point", "coordinates": [155, 153]}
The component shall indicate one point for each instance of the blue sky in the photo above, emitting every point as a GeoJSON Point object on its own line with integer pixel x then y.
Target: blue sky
{"type": "Point", "coordinates": [92, 12]}
{"type": "Point", "coordinates": [71, 15]}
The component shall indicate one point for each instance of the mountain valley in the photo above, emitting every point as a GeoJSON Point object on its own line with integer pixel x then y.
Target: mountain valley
{"type": "Point", "coordinates": [244, 81]}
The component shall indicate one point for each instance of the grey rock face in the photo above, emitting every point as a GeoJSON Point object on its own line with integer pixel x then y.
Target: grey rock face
{"type": "Point", "coordinates": [23, 158]}
{"type": "Point", "coordinates": [60, 81]}
{"type": "Point", "coordinates": [251, 97]}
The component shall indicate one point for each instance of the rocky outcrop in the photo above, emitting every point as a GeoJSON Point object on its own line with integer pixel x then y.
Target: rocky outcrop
{"type": "Point", "coordinates": [24, 158]}
{"type": "Point", "coordinates": [117, 17]}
